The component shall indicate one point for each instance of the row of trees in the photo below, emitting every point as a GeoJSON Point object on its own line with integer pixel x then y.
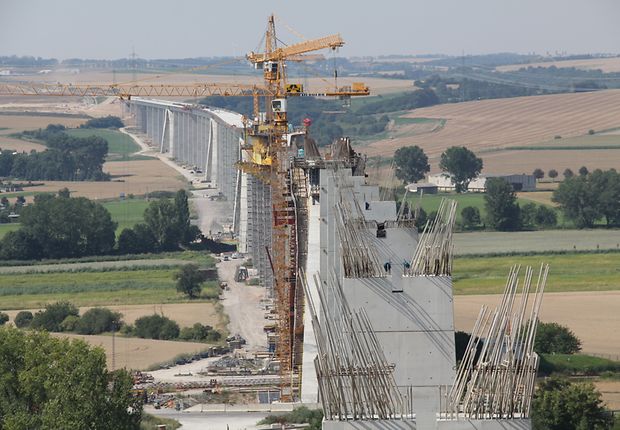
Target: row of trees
{"type": "Point", "coordinates": [66, 158]}
{"type": "Point", "coordinates": [568, 173]}
{"type": "Point", "coordinates": [460, 163]}
{"type": "Point", "coordinates": [585, 199]}
{"type": "Point", "coordinates": [65, 317]}
{"type": "Point", "coordinates": [109, 121]}
{"type": "Point", "coordinates": [65, 227]}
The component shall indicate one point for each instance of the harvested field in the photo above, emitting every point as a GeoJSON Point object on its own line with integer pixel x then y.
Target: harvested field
{"type": "Point", "coordinates": [10, 124]}
{"type": "Point", "coordinates": [542, 197]}
{"type": "Point", "coordinates": [487, 242]}
{"type": "Point", "coordinates": [527, 161]}
{"type": "Point", "coordinates": [611, 393]}
{"type": "Point", "coordinates": [607, 65]}
{"type": "Point", "coordinates": [129, 177]}
{"type": "Point", "coordinates": [492, 125]}
{"type": "Point", "coordinates": [136, 353]}
{"type": "Point", "coordinates": [593, 316]}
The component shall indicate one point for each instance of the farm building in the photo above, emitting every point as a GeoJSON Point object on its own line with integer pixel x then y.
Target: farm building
{"type": "Point", "coordinates": [422, 188]}
{"type": "Point", "coordinates": [520, 182]}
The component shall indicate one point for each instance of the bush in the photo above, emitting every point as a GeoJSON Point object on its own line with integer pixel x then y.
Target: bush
{"type": "Point", "coordinates": [105, 122]}
{"type": "Point", "coordinates": [3, 318]}
{"type": "Point", "coordinates": [471, 217]}
{"type": "Point", "coordinates": [189, 280]}
{"type": "Point", "coordinates": [301, 415]}
{"type": "Point", "coordinates": [23, 319]}
{"type": "Point", "coordinates": [169, 330]}
{"type": "Point", "coordinates": [562, 405]}
{"type": "Point", "coordinates": [200, 333]}
{"type": "Point", "coordinates": [156, 327]}
{"type": "Point", "coordinates": [52, 317]}
{"type": "Point", "coordinates": [98, 320]}
{"type": "Point", "coordinates": [545, 216]}
{"type": "Point", "coordinates": [552, 338]}
{"type": "Point", "coordinates": [69, 323]}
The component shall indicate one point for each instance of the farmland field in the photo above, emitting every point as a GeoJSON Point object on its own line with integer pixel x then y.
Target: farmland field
{"type": "Point", "coordinates": [592, 316]}
{"type": "Point", "coordinates": [98, 283]}
{"type": "Point", "coordinates": [489, 127]}
{"type": "Point", "coordinates": [430, 202]}
{"type": "Point", "coordinates": [128, 177]}
{"type": "Point", "coordinates": [126, 213]}
{"type": "Point", "coordinates": [136, 353]}
{"type": "Point", "coordinates": [607, 65]}
{"type": "Point", "coordinates": [11, 124]}
{"type": "Point", "coordinates": [120, 145]}
{"type": "Point", "coordinates": [569, 272]}
{"type": "Point", "coordinates": [486, 242]}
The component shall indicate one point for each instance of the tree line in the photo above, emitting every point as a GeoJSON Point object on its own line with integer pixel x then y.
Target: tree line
{"type": "Point", "coordinates": [66, 158]}
{"type": "Point", "coordinates": [65, 317]}
{"type": "Point", "coordinates": [590, 197]}
{"type": "Point", "coordinates": [61, 226]}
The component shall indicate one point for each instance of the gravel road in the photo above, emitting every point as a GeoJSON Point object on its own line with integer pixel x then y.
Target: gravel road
{"type": "Point", "coordinates": [242, 304]}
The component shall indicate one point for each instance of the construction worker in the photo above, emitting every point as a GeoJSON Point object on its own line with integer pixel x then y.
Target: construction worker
{"type": "Point", "coordinates": [388, 267]}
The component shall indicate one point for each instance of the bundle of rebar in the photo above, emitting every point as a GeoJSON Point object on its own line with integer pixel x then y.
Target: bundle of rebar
{"type": "Point", "coordinates": [359, 256]}
{"type": "Point", "coordinates": [433, 254]}
{"type": "Point", "coordinates": [355, 380]}
{"type": "Point", "coordinates": [496, 377]}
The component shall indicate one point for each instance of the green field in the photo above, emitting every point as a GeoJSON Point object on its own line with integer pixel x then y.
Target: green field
{"type": "Point", "coordinates": [568, 272]}
{"type": "Point", "coordinates": [496, 242]}
{"type": "Point", "coordinates": [430, 202]}
{"type": "Point", "coordinates": [98, 286]}
{"type": "Point", "coordinates": [126, 213]}
{"type": "Point", "coordinates": [5, 228]}
{"type": "Point", "coordinates": [120, 145]}
{"type": "Point", "coordinates": [586, 142]}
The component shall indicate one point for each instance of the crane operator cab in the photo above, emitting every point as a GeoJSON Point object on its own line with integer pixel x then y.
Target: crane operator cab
{"type": "Point", "coordinates": [278, 106]}
{"type": "Point", "coordinates": [270, 70]}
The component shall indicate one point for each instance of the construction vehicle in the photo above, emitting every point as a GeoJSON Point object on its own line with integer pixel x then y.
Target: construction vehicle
{"type": "Point", "coordinates": [268, 157]}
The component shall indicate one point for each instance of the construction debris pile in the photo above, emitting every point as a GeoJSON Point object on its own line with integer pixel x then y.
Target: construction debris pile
{"type": "Point", "coordinates": [499, 383]}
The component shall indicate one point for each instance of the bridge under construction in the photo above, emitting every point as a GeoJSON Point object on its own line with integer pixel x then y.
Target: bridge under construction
{"type": "Point", "coordinates": [373, 335]}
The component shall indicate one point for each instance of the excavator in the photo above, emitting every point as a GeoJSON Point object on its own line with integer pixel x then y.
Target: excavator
{"type": "Point", "coordinates": [267, 158]}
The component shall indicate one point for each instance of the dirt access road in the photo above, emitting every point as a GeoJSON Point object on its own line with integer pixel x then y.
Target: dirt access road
{"type": "Point", "coordinates": [242, 303]}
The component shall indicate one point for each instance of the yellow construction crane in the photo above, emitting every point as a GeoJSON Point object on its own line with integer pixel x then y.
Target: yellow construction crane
{"type": "Point", "coordinates": [268, 160]}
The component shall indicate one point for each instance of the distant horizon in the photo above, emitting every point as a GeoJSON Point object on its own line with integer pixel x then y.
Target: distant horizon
{"type": "Point", "coordinates": [557, 56]}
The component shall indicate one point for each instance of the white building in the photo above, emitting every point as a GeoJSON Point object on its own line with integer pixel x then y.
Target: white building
{"type": "Point", "coordinates": [520, 182]}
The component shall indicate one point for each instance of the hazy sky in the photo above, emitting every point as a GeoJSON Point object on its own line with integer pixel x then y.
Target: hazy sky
{"type": "Point", "coordinates": [194, 28]}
